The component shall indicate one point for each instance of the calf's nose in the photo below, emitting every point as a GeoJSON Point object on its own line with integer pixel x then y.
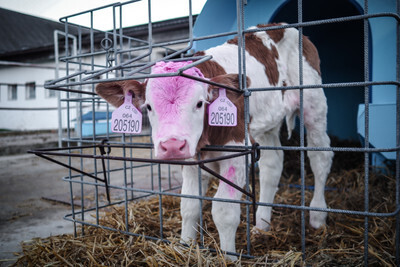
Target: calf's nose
{"type": "Point", "coordinates": [173, 149]}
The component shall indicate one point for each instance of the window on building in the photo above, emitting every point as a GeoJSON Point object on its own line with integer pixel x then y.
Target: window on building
{"type": "Point", "coordinates": [12, 92]}
{"type": "Point", "coordinates": [50, 93]}
{"type": "Point", "coordinates": [30, 90]}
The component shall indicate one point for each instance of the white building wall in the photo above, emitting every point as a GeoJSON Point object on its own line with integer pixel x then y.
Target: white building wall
{"type": "Point", "coordinates": [34, 114]}
{"type": "Point", "coordinates": [41, 113]}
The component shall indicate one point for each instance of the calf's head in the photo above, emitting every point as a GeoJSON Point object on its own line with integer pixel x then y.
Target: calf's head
{"type": "Point", "coordinates": [175, 106]}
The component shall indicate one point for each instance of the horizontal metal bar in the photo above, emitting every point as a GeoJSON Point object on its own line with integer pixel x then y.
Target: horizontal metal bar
{"type": "Point", "coordinates": [299, 148]}
{"type": "Point", "coordinates": [64, 78]}
{"type": "Point", "coordinates": [324, 85]}
{"type": "Point", "coordinates": [274, 88]}
{"type": "Point", "coordinates": [217, 175]}
{"type": "Point", "coordinates": [149, 194]}
{"type": "Point", "coordinates": [245, 202]}
{"type": "Point", "coordinates": [73, 168]}
{"type": "Point", "coordinates": [220, 85]}
{"type": "Point", "coordinates": [143, 160]}
{"type": "Point", "coordinates": [71, 90]}
{"type": "Point", "coordinates": [64, 19]}
{"type": "Point", "coordinates": [236, 150]}
{"type": "Point", "coordinates": [349, 212]}
{"type": "Point", "coordinates": [69, 178]}
{"type": "Point", "coordinates": [33, 109]}
{"type": "Point", "coordinates": [334, 149]}
{"type": "Point", "coordinates": [243, 149]}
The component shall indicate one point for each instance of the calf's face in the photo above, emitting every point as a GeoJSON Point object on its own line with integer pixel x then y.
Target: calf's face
{"type": "Point", "coordinates": [175, 106]}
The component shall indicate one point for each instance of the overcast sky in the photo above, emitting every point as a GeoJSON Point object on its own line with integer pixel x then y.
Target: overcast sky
{"type": "Point", "coordinates": [133, 14]}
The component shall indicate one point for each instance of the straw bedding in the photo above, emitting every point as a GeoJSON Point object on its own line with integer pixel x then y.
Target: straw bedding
{"type": "Point", "coordinates": [340, 243]}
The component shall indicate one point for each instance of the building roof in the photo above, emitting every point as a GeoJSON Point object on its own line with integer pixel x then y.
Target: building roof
{"type": "Point", "coordinates": [21, 33]}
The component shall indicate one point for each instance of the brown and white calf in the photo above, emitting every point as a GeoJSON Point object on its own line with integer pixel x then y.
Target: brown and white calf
{"type": "Point", "coordinates": [177, 109]}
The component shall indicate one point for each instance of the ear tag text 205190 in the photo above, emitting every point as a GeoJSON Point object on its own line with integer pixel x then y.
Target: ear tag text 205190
{"type": "Point", "coordinates": [127, 118]}
{"type": "Point", "coordinates": [222, 112]}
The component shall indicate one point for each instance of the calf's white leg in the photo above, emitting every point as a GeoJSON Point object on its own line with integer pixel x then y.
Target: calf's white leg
{"type": "Point", "coordinates": [270, 164]}
{"type": "Point", "coordinates": [320, 161]}
{"type": "Point", "coordinates": [226, 216]}
{"type": "Point", "coordinates": [190, 208]}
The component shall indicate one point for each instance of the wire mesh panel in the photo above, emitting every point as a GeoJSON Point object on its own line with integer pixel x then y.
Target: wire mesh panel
{"type": "Point", "coordinates": [114, 170]}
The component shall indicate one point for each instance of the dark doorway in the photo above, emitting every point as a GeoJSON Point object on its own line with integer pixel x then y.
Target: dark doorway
{"type": "Point", "coordinates": [340, 47]}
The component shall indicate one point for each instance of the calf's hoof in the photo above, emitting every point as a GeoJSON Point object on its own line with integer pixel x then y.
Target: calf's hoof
{"type": "Point", "coordinates": [231, 258]}
{"type": "Point", "coordinates": [317, 219]}
{"type": "Point", "coordinates": [262, 225]}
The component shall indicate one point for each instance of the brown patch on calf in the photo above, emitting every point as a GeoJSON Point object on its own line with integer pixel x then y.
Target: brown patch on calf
{"type": "Point", "coordinates": [310, 52]}
{"type": "Point", "coordinates": [275, 35]}
{"type": "Point", "coordinates": [214, 135]}
{"type": "Point", "coordinates": [264, 55]}
{"type": "Point", "coordinates": [209, 68]}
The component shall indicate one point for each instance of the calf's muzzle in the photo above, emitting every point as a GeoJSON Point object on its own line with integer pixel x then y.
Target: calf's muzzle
{"type": "Point", "coordinates": [173, 149]}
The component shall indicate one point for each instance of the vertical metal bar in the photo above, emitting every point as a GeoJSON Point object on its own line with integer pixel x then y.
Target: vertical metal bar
{"type": "Point", "coordinates": [107, 120]}
{"type": "Point", "coordinates": [160, 202]}
{"type": "Point", "coordinates": [103, 164]}
{"type": "Point", "coordinates": [239, 15]}
{"type": "Point", "coordinates": [243, 86]}
{"type": "Point", "coordinates": [115, 40]}
{"type": "Point", "coordinates": [201, 203]}
{"type": "Point", "coordinates": [366, 155]}
{"type": "Point", "coordinates": [125, 184]}
{"type": "Point", "coordinates": [68, 144]}
{"type": "Point", "coordinates": [302, 157]}
{"type": "Point", "coordinates": [91, 34]}
{"type": "Point", "coordinates": [397, 242]}
{"type": "Point", "coordinates": [150, 42]}
{"type": "Point", "coordinates": [253, 176]}
{"type": "Point", "coordinates": [121, 40]}
{"type": "Point", "coordinates": [169, 177]}
{"type": "Point", "coordinates": [68, 53]}
{"type": "Point", "coordinates": [150, 30]}
{"type": "Point", "coordinates": [57, 75]}
{"type": "Point", "coordinates": [190, 24]}
{"type": "Point", "coordinates": [80, 134]}
{"type": "Point", "coordinates": [131, 165]}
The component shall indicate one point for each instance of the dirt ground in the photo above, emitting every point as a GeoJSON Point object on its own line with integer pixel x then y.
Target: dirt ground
{"type": "Point", "coordinates": [25, 179]}
{"type": "Point", "coordinates": [27, 183]}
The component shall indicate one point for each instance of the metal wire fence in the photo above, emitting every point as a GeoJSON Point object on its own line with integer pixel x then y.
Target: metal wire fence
{"type": "Point", "coordinates": [111, 55]}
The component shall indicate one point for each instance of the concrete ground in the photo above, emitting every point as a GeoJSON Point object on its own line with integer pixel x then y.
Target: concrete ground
{"type": "Point", "coordinates": [25, 179]}
{"type": "Point", "coordinates": [28, 184]}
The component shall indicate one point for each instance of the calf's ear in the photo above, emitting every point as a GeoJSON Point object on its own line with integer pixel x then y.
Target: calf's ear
{"type": "Point", "coordinates": [114, 92]}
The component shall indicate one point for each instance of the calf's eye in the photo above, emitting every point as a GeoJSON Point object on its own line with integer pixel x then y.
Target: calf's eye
{"type": "Point", "coordinates": [148, 107]}
{"type": "Point", "coordinates": [199, 104]}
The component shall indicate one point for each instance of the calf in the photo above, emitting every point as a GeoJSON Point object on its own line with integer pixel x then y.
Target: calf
{"type": "Point", "coordinates": [177, 109]}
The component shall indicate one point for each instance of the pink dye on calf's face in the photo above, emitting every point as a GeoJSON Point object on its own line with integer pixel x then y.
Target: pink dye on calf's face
{"type": "Point", "coordinates": [229, 175]}
{"type": "Point", "coordinates": [170, 93]}
{"type": "Point", "coordinates": [171, 102]}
